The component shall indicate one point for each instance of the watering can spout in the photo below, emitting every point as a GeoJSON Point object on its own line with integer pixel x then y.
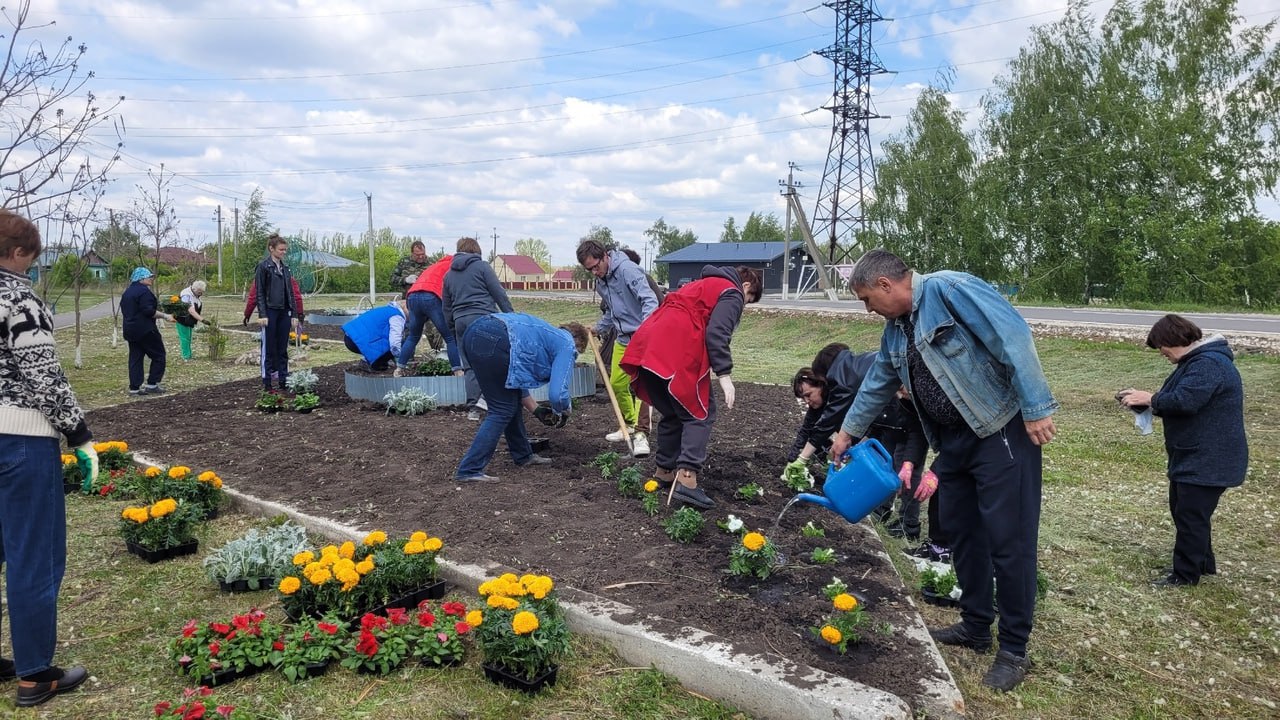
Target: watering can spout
{"type": "Point", "coordinates": [816, 500]}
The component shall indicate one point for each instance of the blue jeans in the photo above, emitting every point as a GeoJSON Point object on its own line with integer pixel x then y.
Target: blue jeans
{"type": "Point", "coordinates": [33, 545]}
{"type": "Point", "coordinates": [489, 351]}
{"type": "Point", "coordinates": [425, 306]}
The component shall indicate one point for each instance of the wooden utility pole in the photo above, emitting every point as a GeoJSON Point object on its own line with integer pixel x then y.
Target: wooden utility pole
{"type": "Point", "coordinates": [235, 244]}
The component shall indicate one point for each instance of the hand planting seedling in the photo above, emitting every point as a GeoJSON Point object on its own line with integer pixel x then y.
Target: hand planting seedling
{"type": "Point", "coordinates": [796, 475]}
{"type": "Point", "coordinates": [812, 531]}
{"type": "Point", "coordinates": [823, 556]}
{"type": "Point", "coordinates": [683, 525]}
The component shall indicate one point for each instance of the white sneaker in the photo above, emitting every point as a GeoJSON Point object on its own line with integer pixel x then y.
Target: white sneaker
{"type": "Point", "coordinates": [639, 445]}
{"type": "Point", "coordinates": [482, 404]}
{"type": "Point", "coordinates": [618, 436]}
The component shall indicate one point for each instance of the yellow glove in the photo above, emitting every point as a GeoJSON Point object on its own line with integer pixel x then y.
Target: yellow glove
{"type": "Point", "coordinates": [87, 461]}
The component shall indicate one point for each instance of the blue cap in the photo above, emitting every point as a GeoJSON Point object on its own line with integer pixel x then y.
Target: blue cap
{"type": "Point", "coordinates": [140, 273]}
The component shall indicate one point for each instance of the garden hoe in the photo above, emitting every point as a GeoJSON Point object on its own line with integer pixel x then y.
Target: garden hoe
{"type": "Point", "coordinates": [613, 399]}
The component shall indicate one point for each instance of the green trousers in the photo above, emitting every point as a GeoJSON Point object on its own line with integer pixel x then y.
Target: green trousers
{"type": "Point", "coordinates": [621, 383]}
{"type": "Point", "coordinates": [184, 340]}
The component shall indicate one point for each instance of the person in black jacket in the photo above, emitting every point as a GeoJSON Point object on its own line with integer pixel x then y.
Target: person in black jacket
{"type": "Point", "coordinates": [1202, 406]}
{"type": "Point", "coordinates": [471, 291]}
{"type": "Point", "coordinates": [277, 311]}
{"type": "Point", "coordinates": [828, 388]}
{"type": "Point", "coordinates": [139, 309]}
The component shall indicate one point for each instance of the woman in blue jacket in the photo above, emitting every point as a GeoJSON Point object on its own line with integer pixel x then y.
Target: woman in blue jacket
{"type": "Point", "coordinates": [1202, 405]}
{"type": "Point", "coordinates": [511, 354]}
{"type": "Point", "coordinates": [139, 309]}
{"type": "Point", "coordinates": [376, 334]}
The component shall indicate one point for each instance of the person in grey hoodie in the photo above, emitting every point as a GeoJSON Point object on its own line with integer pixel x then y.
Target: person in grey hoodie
{"type": "Point", "coordinates": [471, 291]}
{"type": "Point", "coordinates": [627, 301]}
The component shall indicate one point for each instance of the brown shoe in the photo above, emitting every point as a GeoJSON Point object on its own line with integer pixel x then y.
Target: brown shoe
{"type": "Point", "coordinates": [32, 693]}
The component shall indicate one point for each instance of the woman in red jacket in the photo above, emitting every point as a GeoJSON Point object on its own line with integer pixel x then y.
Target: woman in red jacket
{"type": "Point", "coordinates": [670, 360]}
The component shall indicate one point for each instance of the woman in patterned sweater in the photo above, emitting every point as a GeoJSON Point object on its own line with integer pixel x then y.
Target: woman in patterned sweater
{"type": "Point", "coordinates": [36, 407]}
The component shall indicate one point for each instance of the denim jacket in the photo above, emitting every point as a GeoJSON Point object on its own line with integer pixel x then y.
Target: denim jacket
{"type": "Point", "coordinates": [977, 346]}
{"type": "Point", "coordinates": [540, 354]}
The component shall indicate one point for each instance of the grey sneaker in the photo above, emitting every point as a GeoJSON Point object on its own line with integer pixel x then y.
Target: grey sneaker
{"type": "Point", "coordinates": [136, 393]}
{"type": "Point", "coordinates": [153, 389]}
{"type": "Point", "coordinates": [475, 478]}
{"type": "Point", "coordinates": [474, 415]}
{"type": "Point", "coordinates": [536, 459]}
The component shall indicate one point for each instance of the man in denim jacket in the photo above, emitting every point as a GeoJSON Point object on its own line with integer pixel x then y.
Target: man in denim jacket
{"type": "Point", "coordinates": [969, 362]}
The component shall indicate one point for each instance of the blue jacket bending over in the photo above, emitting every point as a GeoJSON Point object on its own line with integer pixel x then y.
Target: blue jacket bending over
{"type": "Point", "coordinates": [376, 332]}
{"type": "Point", "coordinates": [974, 343]}
{"type": "Point", "coordinates": [1202, 406]}
{"type": "Point", "coordinates": [540, 354]}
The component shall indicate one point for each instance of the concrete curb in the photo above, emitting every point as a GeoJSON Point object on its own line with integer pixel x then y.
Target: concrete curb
{"type": "Point", "coordinates": [702, 662]}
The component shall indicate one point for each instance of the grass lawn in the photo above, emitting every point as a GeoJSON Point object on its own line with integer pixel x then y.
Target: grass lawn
{"type": "Point", "coordinates": [1106, 644]}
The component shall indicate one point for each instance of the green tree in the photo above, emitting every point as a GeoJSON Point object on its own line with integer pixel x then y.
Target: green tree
{"type": "Point", "coordinates": [762, 228]}
{"type": "Point", "coordinates": [116, 240]}
{"type": "Point", "coordinates": [730, 232]}
{"type": "Point", "coordinates": [666, 239]}
{"type": "Point", "coordinates": [536, 249]}
{"type": "Point", "coordinates": [252, 245]}
{"type": "Point", "coordinates": [601, 234]}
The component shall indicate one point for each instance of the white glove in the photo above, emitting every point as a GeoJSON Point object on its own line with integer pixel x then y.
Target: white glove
{"type": "Point", "coordinates": [411, 279]}
{"type": "Point", "coordinates": [262, 321]}
{"type": "Point", "coordinates": [87, 458]}
{"type": "Point", "coordinates": [726, 384]}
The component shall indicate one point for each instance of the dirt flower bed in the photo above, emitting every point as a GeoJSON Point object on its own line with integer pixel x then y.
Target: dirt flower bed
{"type": "Point", "coordinates": [351, 462]}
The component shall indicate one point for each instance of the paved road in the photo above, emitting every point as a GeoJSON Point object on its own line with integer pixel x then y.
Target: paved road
{"type": "Point", "coordinates": [93, 312]}
{"type": "Point", "coordinates": [1219, 322]}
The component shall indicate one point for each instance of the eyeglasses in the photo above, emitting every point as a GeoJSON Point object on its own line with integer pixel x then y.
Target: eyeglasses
{"type": "Point", "coordinates": [592, 268]}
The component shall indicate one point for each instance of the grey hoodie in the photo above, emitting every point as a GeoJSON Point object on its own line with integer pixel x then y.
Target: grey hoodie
{"type": "Point", "coordinates": [471, 289]}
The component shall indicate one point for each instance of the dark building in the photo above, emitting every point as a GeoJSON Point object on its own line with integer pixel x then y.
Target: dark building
{"type": "Point", "coordinates": [686, 263]}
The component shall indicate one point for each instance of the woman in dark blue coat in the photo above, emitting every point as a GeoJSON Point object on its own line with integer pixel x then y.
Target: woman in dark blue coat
{"type": "Point", "coordinates": [1202, 405]}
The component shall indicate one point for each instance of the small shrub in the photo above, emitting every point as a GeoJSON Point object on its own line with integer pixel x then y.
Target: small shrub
{"type": "Point", "coordinates": [435, 367]}
{"type": "Point", "coordinates": [755, 556]}
{"type": "Point", "coordinates": [629, 481]}
{"type": "Point", "coordinates": [257, 555]}
{"type": "Point", "coordinates": [823, 556]}
{"type": "Point", "coordinates": [302, 381]}
{"type": "Point", "coordinates": [270, 401]}
{"type": "Point", "coordinates": [409, 401]}
{"type": "Point", "coordinates": [812, 531]}
{"type": "Point", "coordinates": [607, 463]}
{"type": "Point", "coordinates": [797, 478]}
{"type": "Point", "coordinates": [684, 525]}
{"type": "Point", "coordinates": [842, 626]}
{"type": "Point", "coordinates": [306, 401]}
{"type": "Point", "coordinates": [834, 588]}
{"type": "Point", "coordinates": [751, 492]}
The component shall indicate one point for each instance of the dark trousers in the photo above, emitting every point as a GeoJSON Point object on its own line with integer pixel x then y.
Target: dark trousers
{"type": "Point", "coordinates": [908, 506]}
{"type": "Point", "coordinates": [1192, 508]}
{"type": "Point", "coordinates": [937, 533]}
{"type": "Point", "coordinates": [990, 503]}
{"type": "Point", "coordinates": [275, 338]}
{"type": "Point", "coordinates": [682, 438]}
{"type": "Point", "coordinates": [424, 306]}
{"type": "Point", "coordinates": [460, 325]}
{"type": "Point", "coordinates": [381, 363]}
{"type": "Point", "coordinates": [489, 350]}
{"type": "Point", "coordinates": [151, 346]}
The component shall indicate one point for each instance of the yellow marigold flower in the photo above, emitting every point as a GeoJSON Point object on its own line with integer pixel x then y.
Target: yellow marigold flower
{"type": "Point", "coordinates": [101, 447]}
{"type": "Point", "coordinates": [651, 486]}
{"type": "Point", "coordinates": [312, 568]}
{"type": "Point", "coordinates": [377, 537]}
{"type": "Point", "coordinates": [508, 578]}
{"type": "Point", "coordinates": [513, 589]}
{"type": "Point", "coordinates": [174, 299]}
{"type": "Point", "coordinates": [485, 588]}
{"type": "Point", "coordinates": [320, 576]}
{"type": "Point", "coordinates": [305, 337]}
{"type": "Point", "coordinates": [365, 566]}
{"type": "Point", "coordinates": [504, 603]}
{"type": "Point", "coordinates": [136, 514]}
{"type": "Point", "coordinates": [163, 507]}
{"type": "Point", "coordinates": [68, 459]}
{"type": "Point", "coordinates": [152, 471]}
{"type": "Point", "coordinates": [474, 618]}
{"type": "Point", "coordinates": [433, 544]}
{"type": "Point", "coordinates": [541, 586]}
{"type": "Point", "coordinates": [844, 602]}
{"type": "Point", "coordinates": [831, 635]}
{"type": "Point", "coordinates": [347, 550]}
{"type": "Point", "coordinates": [418, 536]}
{"type": "Point", "coordinates": [178, 472]}
{"type": "Point", "coordinates": [306, 557]}
{"type": "Point", "coordinates": [329, 551]}
{"type": "Point", "coordinates": [413, 548]}
{"type": "Point", "coordinates": [207, 476]}
{"type": "Point", "coordinates": [524, 622]}
{"type": "Point", "coordinates": [217, 483]}
{"type": "Point", "coordinates": [753, 541]}
{"type": "Point", "coordinates": [121, 445]}
{"type": "Point", "coordinates": [348, 577]}
{"type": "Point", "coordinates": [293, 335]}
{"type": "Point", "coordinates": [290, 585]}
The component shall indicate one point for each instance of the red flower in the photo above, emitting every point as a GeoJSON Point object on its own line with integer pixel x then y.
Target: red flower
{"type": "Point", "coordinates": [214, 647]}
{"type": "Point", "coordinates": [220, 628]}
{"type": "Point", "coordinates": [189, 629]}
{"type": "Point", "coordinates": [257, 615]}
{"type": "Point", "coordinates": [277, 645]}
{"type": "Point", "coordinates": [371, 622]}
{"type": "Point", "coordinates": [204, 691]}
{"type": "Point", "coordinates": [397, 616]}
{"type": "Point", "coordinates": [329, 628]}
{"type": "Point", "coordinates": [116, 473]}
{"type": "Point", "coordinates": [162, 707]}
{"type": "Point", "coordinates": [454, 608]}
{"type": "Point", "coordinates": [107, 489]}
{"type": "Point", "coordinates": [240, 621]}
{"type": "Point", "coordinates": [368, 644]}
{"type": "Point", "coordinates": [232, 635]}
{"type": "Point", "coordinates": [461, 628]}
{"type": "Point", "coordinates": [194, 711]}
{"type": "Point", "coordinates": [306, 636]}
{"type": "Point", "coordinates": [225, 710]}
{"type": "Point", "coordinates": [426, 619]}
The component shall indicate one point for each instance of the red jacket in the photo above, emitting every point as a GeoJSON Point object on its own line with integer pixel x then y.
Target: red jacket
{"type": "Point", "coordinates": [672, 343]}
{"type": "Point", "coordinates": [251, 302]}
{"type": "Point", "coordinates": [432, 279]}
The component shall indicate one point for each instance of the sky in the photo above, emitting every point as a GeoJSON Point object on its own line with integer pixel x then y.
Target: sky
{"type": "Point", "coordinates": [510, 117]}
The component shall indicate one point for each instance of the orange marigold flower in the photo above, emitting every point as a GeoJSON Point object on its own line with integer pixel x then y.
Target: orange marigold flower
{"type": "Point", "coordinates": [152, 471]}
{"type": "Point", "coordinates": [651, 486]}
{"type": "Point", "coordinates": [753, 541]}
{"type": "Point", "coordinates": [418, 536]}
{"type": "Point", "coordinates": [377, 537]}
{"type": "Point", "coordinates": [474, 618]}
{"type": "Point", "coordinates": [831, 635]}
{"type": "Point", "coordinates": [433, 544]}
{"type": "Point", "coordinates": [524, 622]}
{"type": "Point", "coordinates": [844, 602]}
{"type": "Point", "coordinates": [347, 550]}
{"type": "Point", "coordinates": [290, 585]}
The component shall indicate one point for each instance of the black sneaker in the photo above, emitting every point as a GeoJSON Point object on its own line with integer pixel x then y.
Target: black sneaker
{"type": "Point", "coordinates": [1007, 672]}
{"type": "Point", "coordinates": [1172, 580]}
{"type": "Point", "coordinates": [898, 530]}
{"type": "Point", "coordinates": [960, 636]}
{"type": "Point", "coordinates": [929, 551]}
{"type": "Point", "coordinates": [156, 389]}
{"type": "Point", "coordinates": [33, 693]}
{"type": "Point", "coordinates": [693, 496]}
{"type": "Point", "coordinates": [536, 459]}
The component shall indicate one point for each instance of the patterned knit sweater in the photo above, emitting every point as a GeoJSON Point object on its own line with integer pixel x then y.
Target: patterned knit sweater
{"type": "Point", "coordinates": [35, 397]}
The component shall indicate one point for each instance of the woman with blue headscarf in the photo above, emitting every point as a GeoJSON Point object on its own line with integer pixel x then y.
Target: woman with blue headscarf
{"type": "Point", "coordinates": [140, 309]}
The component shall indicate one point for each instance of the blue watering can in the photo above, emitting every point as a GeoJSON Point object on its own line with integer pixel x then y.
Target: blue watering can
{"type": "Point", "coordinates": [856, 488]}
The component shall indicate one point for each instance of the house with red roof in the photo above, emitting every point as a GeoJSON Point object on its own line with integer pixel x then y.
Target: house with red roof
{"type": "Point", "coordinates": [520, 272]}
{"type": "Point", "coordinates": [564, 280]}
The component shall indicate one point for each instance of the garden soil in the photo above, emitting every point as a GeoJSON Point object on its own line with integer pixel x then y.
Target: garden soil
{"type": "Point", "coordinates": [351, 462]}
